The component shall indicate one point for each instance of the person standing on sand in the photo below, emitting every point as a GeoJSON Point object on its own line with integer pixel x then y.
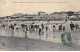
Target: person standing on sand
{"type": "Point", "coordinates": [40, 33]}
{"type": "Point", "coordinates": [71, 26]}
{"type": "Point", "coordinates": [56, 26]}
{"type": "Point", "coordinates": [63, 28]}
{"type": "Point", "coordinates": [60, 28]}
{"type": "Point", "coordinates": [46, 28]}
{"type": "Point", "coordinates": [77, 26]}
{"type": "Point", "coordinates": [46, 32]}
{"type": "Point", "coordinates": [26, 32]}
{"type": "Point", "coordinates": [42, 26]}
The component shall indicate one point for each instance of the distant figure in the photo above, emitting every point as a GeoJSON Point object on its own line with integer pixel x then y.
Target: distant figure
{"type": "Point", "coordinates": [22, 25]}
{"type": "Point", "coordinates": [15, 24]}
{"type": "Point", "coordinates": [60, 28]}
{"type": "Point", "coordinates": [46, 32]}
{"type": "Point", "coordinates": [46, 28]}
{"type": "Point", "coordinates": [56, 27]}
{"type": "Point", "coordinates": [36, 26]}
{"type": "Point", "coordinates": [63, 28]}
{"type": "Point", "coordinates": [77, 26]}
{"type": "Point", "coordinates": [66, 20]}
{"type": "Point", "coordinates": [33, 23]}
{"type": "Point", "coordinates": [26, 28]}
{"type": "Point", "coordinates": [12, 27]}
{"type": "Point", "coordinates": [3, 26]}
{"type": "Point", "coordinates": [12, 30]}
{"type": "Point", "coordinates": [25, 31]}
{"type": "Point", "coordinates": [40, 33]}
{"type": "Point", "coordinates": [32, 27]}
{"type": "Point", "coordinates": [17, 28]}
{"type": "Point", "coordinates": [42, 25]}
{"type": "Point", "coordinates": [71, 26]}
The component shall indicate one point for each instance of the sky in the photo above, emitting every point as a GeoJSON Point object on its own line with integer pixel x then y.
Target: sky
{"type": "Point", "coordinates": [10, 7]}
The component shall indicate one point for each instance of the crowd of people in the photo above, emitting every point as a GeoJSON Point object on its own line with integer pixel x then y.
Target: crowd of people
{"type": "Point", "coordinates": [72, 26]}
{"type": "Point", "coordinates": [40, 28]}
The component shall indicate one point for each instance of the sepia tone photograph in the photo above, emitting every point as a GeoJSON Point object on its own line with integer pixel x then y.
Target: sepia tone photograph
{"type": "Point", "coordinates": [39, 25]}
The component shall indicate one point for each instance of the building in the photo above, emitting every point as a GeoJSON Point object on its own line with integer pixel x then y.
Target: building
{"type": "Point", "coordinates": [41, 13]}
{"type": "Point", "coordinates": [59, 15]}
